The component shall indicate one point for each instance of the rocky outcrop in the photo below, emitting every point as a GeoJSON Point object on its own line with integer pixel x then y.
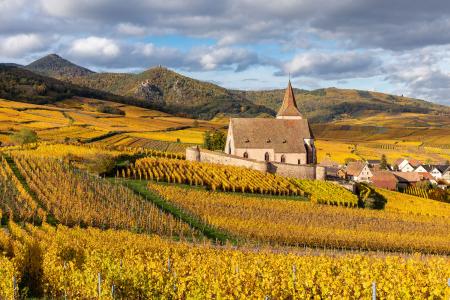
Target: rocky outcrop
{"type": "Point", "coordinates": [150, 92]}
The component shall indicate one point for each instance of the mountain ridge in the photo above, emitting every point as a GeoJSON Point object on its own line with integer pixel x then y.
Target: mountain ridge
{"type": "Point", "coordinates": [178, 94]}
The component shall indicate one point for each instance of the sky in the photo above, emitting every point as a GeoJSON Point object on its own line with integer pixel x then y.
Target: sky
{"type": "Point", "coordinates": [400, 47]}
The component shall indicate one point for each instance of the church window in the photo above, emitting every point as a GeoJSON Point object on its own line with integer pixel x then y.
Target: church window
{"type": "Point", "coordinates": [245, 155]}
{"type": "Point", "coordinates": [266, 156]}
{"type": "Point", "coordinates": [299, 161]}
{"type": "Point", "coordinates": [283, 158]}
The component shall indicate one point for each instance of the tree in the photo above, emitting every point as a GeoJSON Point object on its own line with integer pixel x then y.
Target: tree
{"type": "Point", "coordinates": [215, 140]}
{"type": "Point", "coordinates": [218, 140]}
{"type": "Point", "coordinates": [207, 139]}
{"type": "Point", "coordinates": [25, 136]}
{"type": "Point", "coordinates": [383, 163]}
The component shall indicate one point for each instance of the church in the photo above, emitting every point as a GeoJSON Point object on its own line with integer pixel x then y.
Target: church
{"type": "Point", "coordinates": [285, 139]}
{"type": "Point", "coordinates": [283, 145]}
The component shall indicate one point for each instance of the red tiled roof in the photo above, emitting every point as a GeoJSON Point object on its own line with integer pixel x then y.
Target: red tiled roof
{"type": "Point", "coordinates": [407, 176]}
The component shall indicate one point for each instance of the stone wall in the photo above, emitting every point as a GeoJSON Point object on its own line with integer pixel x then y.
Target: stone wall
{"type": "Point", "coordinates": [298, 171]}
{"type": "Point", "coordinates": [214, 157]}
{"type": "Point", "coordinates": [290, 170]}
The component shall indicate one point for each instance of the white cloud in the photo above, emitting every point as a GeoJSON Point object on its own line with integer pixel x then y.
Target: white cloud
{"type": "Point", "coordinates": [212, 58]}
{"type": "Point", "coordinates": [21, 44]}
{"type": "Point", "coordinates": [93, 46]}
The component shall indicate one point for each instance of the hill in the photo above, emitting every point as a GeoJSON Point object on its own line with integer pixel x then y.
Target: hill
{"type": "Point", "coordinates": [55, 66]}
{"type": "Point", "coordinates": [324, 105]}
{"type": "Point", "coordinates": [20, 84]}
{"type": "Point", "coordinates": [175, 92]}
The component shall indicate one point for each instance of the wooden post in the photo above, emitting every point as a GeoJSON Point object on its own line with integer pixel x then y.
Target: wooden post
{"type": "Point", "coordinates": [14, 287]}
{"type": "Point", "coordinates": [374, 291]}
{"type": "Point", "coordinates": [293, 276]}
{"type": "Point", "coordinates": [99, 285]}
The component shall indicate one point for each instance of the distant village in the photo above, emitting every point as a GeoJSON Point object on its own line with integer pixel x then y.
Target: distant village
{"type": "Point", "coordinates": [402, 175]}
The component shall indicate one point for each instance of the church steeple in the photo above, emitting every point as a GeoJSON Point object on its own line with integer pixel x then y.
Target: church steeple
{"type": "Point", "coordinates": [289, 109]}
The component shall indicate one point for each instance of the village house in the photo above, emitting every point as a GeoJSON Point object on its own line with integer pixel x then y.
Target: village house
{"type": "Point", "coordinates": [406, 165]}
{"type": "Point", "coordinates": [406, 179]}
{"type": "Point", "coordinates": [285, 139]}
{"type": "Point", "coordinates": [437, 171]}
{"type": "Point", "coordinates": [446, 174]}
{"type": "Point", "coordinates": [385, 180]}
{"type": "Point", "coordinates": [358, 171]}
{"type": "Point", "coordinates": [399, 180]}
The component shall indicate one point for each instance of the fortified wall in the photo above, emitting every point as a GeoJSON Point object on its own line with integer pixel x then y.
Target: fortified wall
{"type": "Point", "coordinates": [283, 169]}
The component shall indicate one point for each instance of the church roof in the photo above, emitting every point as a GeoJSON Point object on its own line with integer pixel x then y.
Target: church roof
{"type": "Point", "coordinates": [289, 106]}
{"type": "Point", "coordinates": [281, 135]}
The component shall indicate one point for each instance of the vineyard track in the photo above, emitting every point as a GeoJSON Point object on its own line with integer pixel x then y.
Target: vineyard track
{"type": "Point", "coordinates": [102, 137]}
{"type": "Point", "coordinates": [140, 188]}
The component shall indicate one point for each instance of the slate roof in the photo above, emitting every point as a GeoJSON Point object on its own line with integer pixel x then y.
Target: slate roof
{"type": "Point", "coordinates": [428, 168]}
{"type": "Point", "coordinates": [289, 106]}
{"type": "Point", "coordinates": [281, 135]}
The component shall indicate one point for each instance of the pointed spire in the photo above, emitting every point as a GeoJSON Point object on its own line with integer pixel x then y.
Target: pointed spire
{"type": "Point", "coordinates": [289, 109]}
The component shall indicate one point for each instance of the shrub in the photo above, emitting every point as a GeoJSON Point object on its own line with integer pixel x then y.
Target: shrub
{"type": "Point", "coordinates": [106, 109]}
{"type": "Point", "coordinates": [25, 136]}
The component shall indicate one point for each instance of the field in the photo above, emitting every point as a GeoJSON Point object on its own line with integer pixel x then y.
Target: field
{"type": "Point", "coordinates": [79, 119]}
{"type": "Point", "coordinates": [110, 196]}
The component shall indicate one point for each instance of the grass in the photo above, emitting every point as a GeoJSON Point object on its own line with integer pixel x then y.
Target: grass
{"type": "Point", "coordinates": [140, 188]}
{"type": "Point", "coordinates": [250, 195]}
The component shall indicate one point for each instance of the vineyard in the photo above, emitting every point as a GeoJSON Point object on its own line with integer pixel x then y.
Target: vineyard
{"type": "Point", "coordinates": [416, 191]}
{"type": "Point", "coordinates": [127, 141]}
{"type": "Point", "coordinates": [215, 177]}
{"type": "Point", "coordinates": [133, 266]}
{"type": "Point", "coordinates": [16, 203]}
{"type": "Point", "coordinates": [324, 192]}
{"type": "Point", "coordinates": [236, 179]}
{"type": "Point", "coordinates": [75, 198]}
{"type": "Point", "coordinates": [301, 223]}
{"type": "Point", "coordinates": [400, 202]}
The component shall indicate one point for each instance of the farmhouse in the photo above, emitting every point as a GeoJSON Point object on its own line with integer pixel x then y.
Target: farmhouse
{"type": "Point", "coordinates": [283, 145]}
{"type": "Point", "coordinates": [286, 139]}
{"type": "Point", "coordinates": [407, 165]}
{"type": "Point", "coordinates": [358, 171]}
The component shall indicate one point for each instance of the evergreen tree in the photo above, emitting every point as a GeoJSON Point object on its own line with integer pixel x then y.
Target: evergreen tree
{"type": "Point", "coordinates": [383, 163]}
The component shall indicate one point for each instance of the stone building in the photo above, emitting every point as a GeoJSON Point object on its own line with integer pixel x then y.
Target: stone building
{"type": "Point", "coordinates": [286, 139]}
{"type": "Point", "coordinates": [283, 146]}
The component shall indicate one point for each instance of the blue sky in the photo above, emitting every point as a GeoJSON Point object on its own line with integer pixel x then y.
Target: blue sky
{"type": "Point", "coordinates": [392, 46]}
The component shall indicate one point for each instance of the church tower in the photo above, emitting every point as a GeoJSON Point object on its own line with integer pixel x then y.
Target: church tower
{"type": "Point", "coordinates": [289, 109]}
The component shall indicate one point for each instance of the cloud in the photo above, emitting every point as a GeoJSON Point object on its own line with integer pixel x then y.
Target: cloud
{"type": "Point", "coordinates": [131, 29]}
{"type": "Point", "coordinates": [332, 65]}
{"type": "Point", "coordinates": [422, 74]}
{"type": "Point", "coordinates": [212, 58]}
{"type": "Point", "coordinates": [18, 45]}
{"type": "Point", "coordinates": [95, 47]}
